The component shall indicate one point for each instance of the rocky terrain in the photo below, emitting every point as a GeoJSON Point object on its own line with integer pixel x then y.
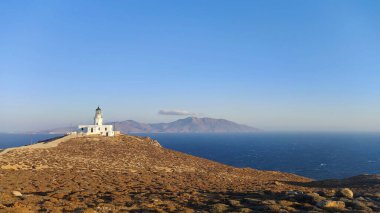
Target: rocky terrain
{"type": "Point", "coordinates": [135, 174]}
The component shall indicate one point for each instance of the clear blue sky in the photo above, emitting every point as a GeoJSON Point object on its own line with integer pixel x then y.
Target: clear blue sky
{"type": "Point", "coordinates": [275, 65]}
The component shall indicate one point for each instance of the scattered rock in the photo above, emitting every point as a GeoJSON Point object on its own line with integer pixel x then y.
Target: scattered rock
{"type": "Point", "coordinates": [360, 206]}
{"type": "Point", "coordinates": [290, 209]}
{"type": "Point", "coordinates": [89, 211]}
{"type": "Point", "coordinates": [245, 210]}
{"type": "Point", "coordinates": [293, 192]}
{"type": "Point", "coordinates": [285, 203]}
{"type": "Point", "coordinates": [321, 193]}
{"type": "Point", "coordinates": [187, 210]}
{"type": "Point", "coordinates": [218, 208]}
{"type": "Point", "coordinates": [274, 208]}
{"type": "Point", "coordinates": [329, 193]}
{"type": "Point", "coordinates": [312, 198]}
{"type": "Point", "coordinates": [278, 183]}
{"type": "Point", "coordinates": [329, 204]}
{"type": "Point", "coordinates": [252, 201]}
{"type": "Point", "coordinates": [17, 193]}
{"type": "Point", "coordinates": [346, 192]}
{"type": "Point", "coordinates": [269, 202]}
{"type": "Point", "coordinates": [171, 207]}
{"type": "Point", "coordinates": [234, 203]}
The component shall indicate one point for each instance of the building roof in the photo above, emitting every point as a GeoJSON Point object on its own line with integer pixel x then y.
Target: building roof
{"type": "Point", "coordinates": [98, 108]}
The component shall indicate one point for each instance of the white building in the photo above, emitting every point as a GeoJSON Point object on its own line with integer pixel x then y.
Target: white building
{"type": "Point", "coordinates": [97, 128]}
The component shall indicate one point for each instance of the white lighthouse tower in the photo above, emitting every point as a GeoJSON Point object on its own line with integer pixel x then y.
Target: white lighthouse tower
{"type": "Point", "coordinates": [97, 128]}
{"type": "Point", "coordinates": [98, 119]}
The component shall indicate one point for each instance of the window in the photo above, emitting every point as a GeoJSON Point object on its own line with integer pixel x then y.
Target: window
{"type": "Point", "coordinates": [106, 128]}
{"type": "Point", "coordinates": [92, 129]}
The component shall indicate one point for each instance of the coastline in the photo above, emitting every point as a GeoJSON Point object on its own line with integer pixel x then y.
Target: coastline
{"type": "Point", "coordinates": [131, 173]}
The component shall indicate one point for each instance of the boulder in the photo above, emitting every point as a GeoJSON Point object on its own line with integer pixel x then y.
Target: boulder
{"type": "Point", "coordinates": [358, 205]}
{"type": "Point", "coordinates": [234, 202]}
{"type": "Point", "coordinates": [219, 208]}
{"type": "Point", "coordinates": [346, 192]}
{"type": "Point", "coordinates": [17, 193]}
{"type": "Point", "coordinates": [329, 204]}
{"type": "Point", "coordinates": [312, 198]}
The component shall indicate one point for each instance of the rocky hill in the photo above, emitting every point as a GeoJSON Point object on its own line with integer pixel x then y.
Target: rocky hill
{"type": "Point", "coordinates": [186, 125]}
{"type": "Point", "coordinates": [135, 174]}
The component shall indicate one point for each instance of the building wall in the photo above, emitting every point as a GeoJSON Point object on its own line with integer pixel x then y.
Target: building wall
{"type": "Point", "coordinates": [105, 130]}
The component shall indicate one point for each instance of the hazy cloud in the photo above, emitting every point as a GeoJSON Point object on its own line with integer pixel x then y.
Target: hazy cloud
{"type": "Point", "coordinates": [176, 112]}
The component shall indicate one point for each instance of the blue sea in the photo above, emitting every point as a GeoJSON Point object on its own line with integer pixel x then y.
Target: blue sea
{"type": "Point", "coordinates": [314, 155]}
{"type": "Point", "coordinates": [13, 140]}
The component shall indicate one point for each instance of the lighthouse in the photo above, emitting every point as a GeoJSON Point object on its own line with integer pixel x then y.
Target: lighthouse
{"type": "Point", "coordinates": [97, 128]}
{"type": "Point", "coordinates": [98, 119]}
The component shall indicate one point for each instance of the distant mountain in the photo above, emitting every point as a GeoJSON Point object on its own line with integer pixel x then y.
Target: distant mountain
{"type": "Point", "coordinates": [186, 125]}
{"type": "Point", "coordinates": [130, 126]}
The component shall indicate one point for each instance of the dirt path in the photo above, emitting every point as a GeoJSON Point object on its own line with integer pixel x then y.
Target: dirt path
{"type": "Point", "coordinates": [40, 145]}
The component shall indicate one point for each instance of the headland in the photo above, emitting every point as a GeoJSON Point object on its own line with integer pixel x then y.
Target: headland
{"type": "Point", "coordinates": [136, 174]}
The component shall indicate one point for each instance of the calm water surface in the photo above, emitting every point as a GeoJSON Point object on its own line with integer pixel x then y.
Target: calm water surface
{"type": "Point", "coordinates": [318, 156]}
{"type": "Point", "coordinates": [13, 140]}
